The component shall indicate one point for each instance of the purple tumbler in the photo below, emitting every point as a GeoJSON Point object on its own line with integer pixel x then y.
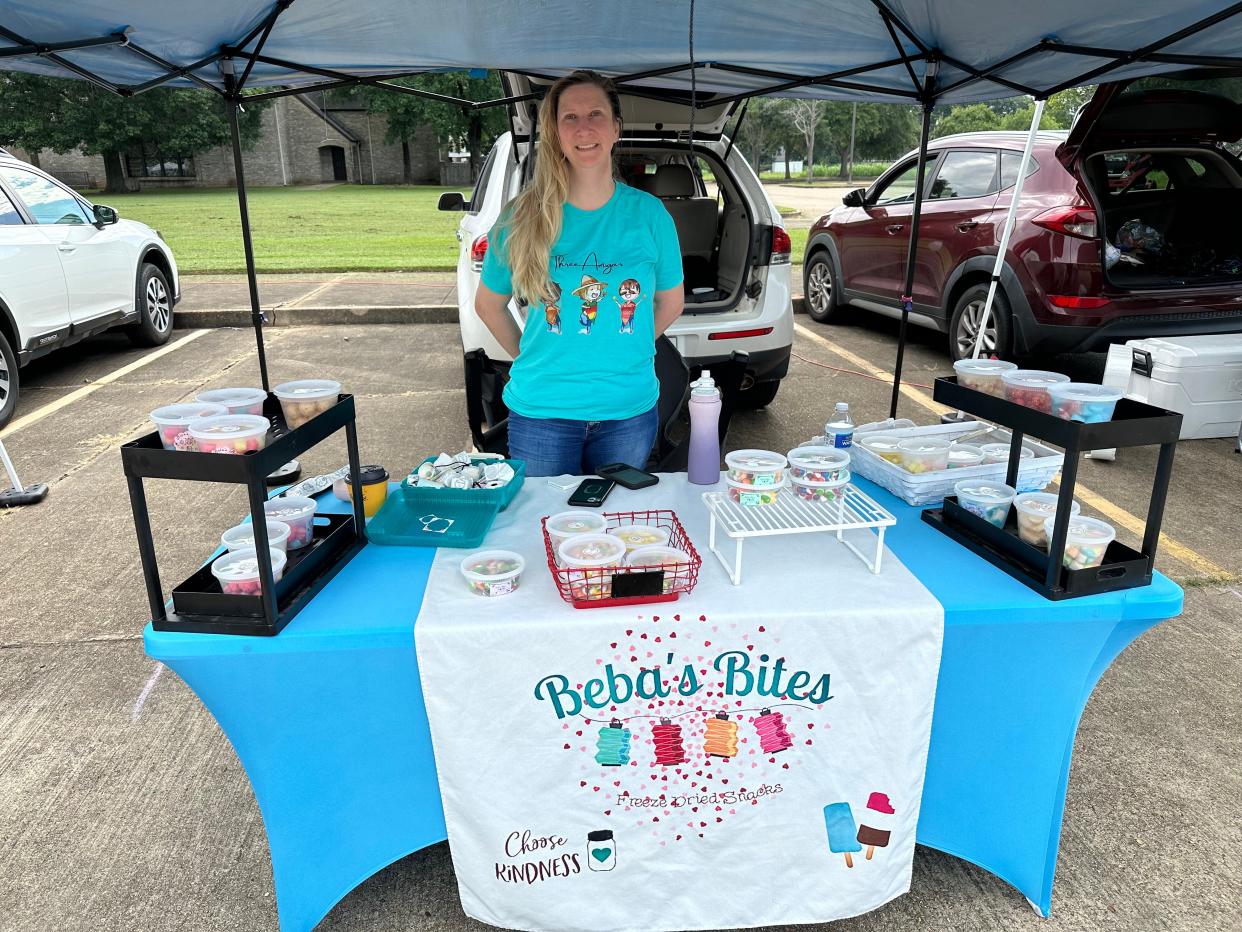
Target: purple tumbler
{"type": "Point", "coordinates": [704, 458]}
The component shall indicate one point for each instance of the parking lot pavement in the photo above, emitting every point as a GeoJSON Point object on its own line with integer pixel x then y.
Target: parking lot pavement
{"type": "Point", "coordinates": [124, 808]}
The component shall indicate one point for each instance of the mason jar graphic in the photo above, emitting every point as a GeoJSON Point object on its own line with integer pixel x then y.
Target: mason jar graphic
{"type": "Point", "coordinates": [601, 850]}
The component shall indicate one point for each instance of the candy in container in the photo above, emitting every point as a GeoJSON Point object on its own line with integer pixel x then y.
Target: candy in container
{"type": "Point", "coordinates": [924, 454]}
{"type": "Point", "coordinates": [298, 513]}
{"type": "Point", "coordinates": [983, 375]}
{"type": "Point", "coordinates": [236, 400]}
{"type": "Point", "coordinates": [303, 399]}
{"type": "Point", "coordinates": [818, 464]}
{"type": "Point", "coordinates": [882, 445]}
{"type": "Point", "coordinates": [1034, 508]}
{"type": "Point", "coordinates": [987, 500]}
{"type": "Point", "coordinates": [567, 524]}
{"type": "Point", "coordinates": [964, 455]}
{"type": "Point", "coordinates": [1086, 540]}
{"type": "Point", "coordinates": [173, 423]}
{"type": "Point", "coordinates": [590, 559]}
{"type": "Point", "coordinates": [999, 453]}
{"type": "Point", "coordinates": [670, 559]}
{"type": "Point", "coordinates": [242, 536]}
{"type": "Point", "coordinates": [820, 492]}
{"type": "Point", "coordinates": [1029, 387]}
{"type": "Point", "coordinates": [230, 433]}
{"type": "Point", "coordinates": [493, 572]}
{"type": "Point", "coordinates": [751, 495]}
{"type": "Point", "coordinates": [760, 468]}
{"type": "Point", "coordinates": [635, 536]}
{"type": "Point", "coordinates": [238, 570]}
{"type": "Point", "coordinates": [1084, 401]}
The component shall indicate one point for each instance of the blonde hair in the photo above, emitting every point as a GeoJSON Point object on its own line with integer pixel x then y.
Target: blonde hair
{"type": "Point", "coordinates": [534, 222]}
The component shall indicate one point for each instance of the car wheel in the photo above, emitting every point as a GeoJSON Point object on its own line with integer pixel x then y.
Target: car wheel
{"type": "Point", "coordinates": [759, 395]}
{"type": "Point", "coordinates": [155, 308]}
{"type": "Point", "coordinates": [820, 287]}
{"type": "Point", "coordinates": [8, 381]}
{"type": "Point", "coordinates": [968, 314]}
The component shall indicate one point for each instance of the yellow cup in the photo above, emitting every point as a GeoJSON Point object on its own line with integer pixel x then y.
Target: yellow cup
{"type": "Point", "coordinates": [374, 481]}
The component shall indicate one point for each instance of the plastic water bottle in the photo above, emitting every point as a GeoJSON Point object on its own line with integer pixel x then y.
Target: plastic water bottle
{"type": "Point", "coordinates": [704, 457]}
{"type": "Point", "coordinates": [840, 429]}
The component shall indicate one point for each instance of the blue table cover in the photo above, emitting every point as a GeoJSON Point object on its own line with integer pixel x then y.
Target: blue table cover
{"type": "Point", "coordinates": [328, 718]}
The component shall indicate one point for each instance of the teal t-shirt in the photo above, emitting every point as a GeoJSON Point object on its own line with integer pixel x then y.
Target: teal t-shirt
{"type": "Point", "coordinates": [589, 355]}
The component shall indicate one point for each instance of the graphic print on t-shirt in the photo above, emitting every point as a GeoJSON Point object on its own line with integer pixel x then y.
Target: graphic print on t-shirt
{"type": "Point", "coordinates": [591, 291]}
{"type": "Point", "coordinates": [552, 308]}
{"type": "Point", "coordinates": [630, 293]}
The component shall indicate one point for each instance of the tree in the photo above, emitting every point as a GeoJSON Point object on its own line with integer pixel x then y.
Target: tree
{"type": "Point", "coordinates": [765, 124]}
{"type": "Point", "coordinates": [882, 131]}
{"type": "Point", "coordinates": [971, 118]}
{"type": "Point", "coordinates": [1021, 119]}
{"type": "Point", "coordinates": [805, 115]}
{"type": "Point", "coordinates": [59, 114]}
{"type": "Point", "coordinates": [1065, 105]}
{"type": "Point", "coordinates": [407, 114]}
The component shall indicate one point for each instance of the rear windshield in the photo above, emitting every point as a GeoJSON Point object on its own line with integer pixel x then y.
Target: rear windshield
{"type": "Point", "coordinates": [1229, 88]}
{"type": "Point", "coordinates": [1131, 172]}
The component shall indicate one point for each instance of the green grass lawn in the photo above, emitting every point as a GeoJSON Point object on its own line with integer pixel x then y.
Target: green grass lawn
{"type": "Point", "coordinates": [347, 228]}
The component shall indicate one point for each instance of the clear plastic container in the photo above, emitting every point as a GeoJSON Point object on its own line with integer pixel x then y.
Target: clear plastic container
{"type": "Point", "coordinates": [987, 500]}
{"type": "Point", "coordinates": [230, 433]}
{"type": "Point", "coordinates": [752, 495]}
{"type": "Point", "coordinates": [882, 445]}
{"type": "Point", "coordinates": [172, 422]}
{"type": "Point", "coordinates": [924, 454]}
{"type": "Point", "coordinates": [298, 513]}
{"type": "Point", "coordinates": [237, 400]}
{"type": "Point", "coordinates": [1029, 387]}
{"type": "Point", "coordinates": [1084, 401]}
{"type": "Point", "coordinates": [1034, 508]}
{"type": "Point", "coordinates": [999, 453]}
{"type": "Point", "coordinates": [589, 558]}
{"type": "Point", "coordinates": [820, 492]}
{"type": "Point", "coordinates": [569, 524]}
{"type": "Point", "coordinates": [964, 455]}
{"type": "Point", "coordinates": [238, 570]}
{"type": "Point", "coordinates": [818, 464]}
{"type": "Point", "coordinates": [493, 572]}
{"type": "Point", "coordinates": [669, 558]}
{"type": "Point", "coordinates": [983, 375]}
{"type": "Point", "coordinates": [635, 536]}
{"type": "Point", "coordinates": [302, 400]}
{"type": "Point", "coordinates": [1086, 539]}
{"type": "Point", "coordinates": [242, 536]}
{"type": "Point", "coordinates": [759, 468]}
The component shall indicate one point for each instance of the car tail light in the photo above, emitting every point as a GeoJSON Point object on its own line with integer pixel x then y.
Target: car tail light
{"type": "Point", "coordinates": [740, 334]}
{"type": "Point", "coordinates": [1075, 302]}
{"type": "Point", "coordinates": [782, 246]}
{"type": "Point", "coordinates": [478, 249]}
{"type": "Point", "coordinates": [1071, 221]}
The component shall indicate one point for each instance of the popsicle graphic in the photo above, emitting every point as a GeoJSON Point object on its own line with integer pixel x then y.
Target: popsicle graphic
{"type": "Point", "coordinates": [880, 813]}
{"type": "Point", "coordinates": [842, 832]}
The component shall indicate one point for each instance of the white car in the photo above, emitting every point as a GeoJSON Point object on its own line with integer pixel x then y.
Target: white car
{"type": "Point", "coordinates": [70, 269]}
{"type": "Point", "coordinates": [735, 253]}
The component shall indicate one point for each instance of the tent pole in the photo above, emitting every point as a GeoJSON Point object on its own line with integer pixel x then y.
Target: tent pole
{"type": "Point", "coordinates": [1003, 247]}
{"type": "Point", "coordinates": [256, 314]}
{"type": "Point", "coordinates": [907, 301]}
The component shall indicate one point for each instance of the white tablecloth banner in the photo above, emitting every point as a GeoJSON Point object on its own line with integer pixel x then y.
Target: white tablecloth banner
{"type": "Point", "coordinates": [745, 756]}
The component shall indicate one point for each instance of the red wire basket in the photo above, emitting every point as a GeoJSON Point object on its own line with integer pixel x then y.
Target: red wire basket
{"type": "Point", "coordinates": [592, 588]}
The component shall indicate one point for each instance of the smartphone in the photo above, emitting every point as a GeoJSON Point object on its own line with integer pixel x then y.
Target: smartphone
{"type": "Point", "coordinates": [591, 492]}
{"type": "Point", "coordinates": [628, 476]}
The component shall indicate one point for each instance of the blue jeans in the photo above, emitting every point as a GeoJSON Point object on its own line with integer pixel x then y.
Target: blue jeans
{"type": "Point", "coordinates": [555, 446]}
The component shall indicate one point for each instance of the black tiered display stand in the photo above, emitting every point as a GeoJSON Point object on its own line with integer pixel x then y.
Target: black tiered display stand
{"type": "Point", "coordinates": [1133, 425]}
{"type": "Point", "coordinates": [198, 604]}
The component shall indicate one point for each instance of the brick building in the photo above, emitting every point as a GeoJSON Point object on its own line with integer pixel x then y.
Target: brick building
{"type": "Point", "coordinates": [302, 141]}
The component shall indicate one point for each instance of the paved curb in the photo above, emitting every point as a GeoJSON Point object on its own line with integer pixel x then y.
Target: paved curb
{"type": "Point", "coordinates": [348, 314]}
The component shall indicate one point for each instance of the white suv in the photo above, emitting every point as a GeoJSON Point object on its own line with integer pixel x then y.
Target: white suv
{"type": "Point", "coordinates": [70, 269]}
{"type": "Point", "coordinates": [735, 253]}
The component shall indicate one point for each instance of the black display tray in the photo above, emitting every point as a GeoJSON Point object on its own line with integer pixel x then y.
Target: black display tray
{"type": "Point", "coordinates": [200, 606]}
{"type": "Point", "coordinates": [147, 458]}
{"type": "Point", "coordinates": [1123, 567]}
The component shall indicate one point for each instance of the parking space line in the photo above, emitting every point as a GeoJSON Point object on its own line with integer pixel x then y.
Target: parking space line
{"type": "Point", "coordinates": [314, 293]}
{"type": "Point", "coordinates": [53, 406]}
{"type": "Point", "coordinates": [1114, 512]}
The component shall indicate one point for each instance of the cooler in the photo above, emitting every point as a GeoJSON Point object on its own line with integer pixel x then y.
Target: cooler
{"type": "Point", "coordinates": [1200, 377]}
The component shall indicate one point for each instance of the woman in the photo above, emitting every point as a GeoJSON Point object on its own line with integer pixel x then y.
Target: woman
{"type": "Point", "coordinates": [582, 389]}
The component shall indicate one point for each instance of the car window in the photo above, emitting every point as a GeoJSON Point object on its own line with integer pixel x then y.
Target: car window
{"type": "Point", "coordinates": [480, 187]}
{"type": "Point", "coordinates": [47, 202]}
{"type": "Point", "coordinates": [1009, 168]}
{"type": "Point", "coordinates": [8, 213]}
{"type": "Point", "coordinates": [900, 188]}
{"type": "Point", "coordinates": [965, 173]}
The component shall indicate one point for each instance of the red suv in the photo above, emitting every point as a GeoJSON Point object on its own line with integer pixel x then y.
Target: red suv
{"type": "Point", "coordinates": [1126, 229]}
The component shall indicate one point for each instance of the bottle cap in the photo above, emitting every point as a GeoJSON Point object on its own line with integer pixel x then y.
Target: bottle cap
{"type": "Point", "coordinates": [704, 384]}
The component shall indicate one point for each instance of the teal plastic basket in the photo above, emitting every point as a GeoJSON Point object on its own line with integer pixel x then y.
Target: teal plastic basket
{"type": "Point", "coordinates": [501, 496]}
{"type": "Point", "coordinates": [414, 517]}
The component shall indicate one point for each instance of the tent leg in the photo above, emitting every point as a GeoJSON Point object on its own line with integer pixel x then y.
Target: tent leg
{"type": "Point", "coordinates": [1003, 247]}
{"type": "Point", "coordinates": [906, 295]}
{"type": "Point", "coordinates": [256, 313]}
